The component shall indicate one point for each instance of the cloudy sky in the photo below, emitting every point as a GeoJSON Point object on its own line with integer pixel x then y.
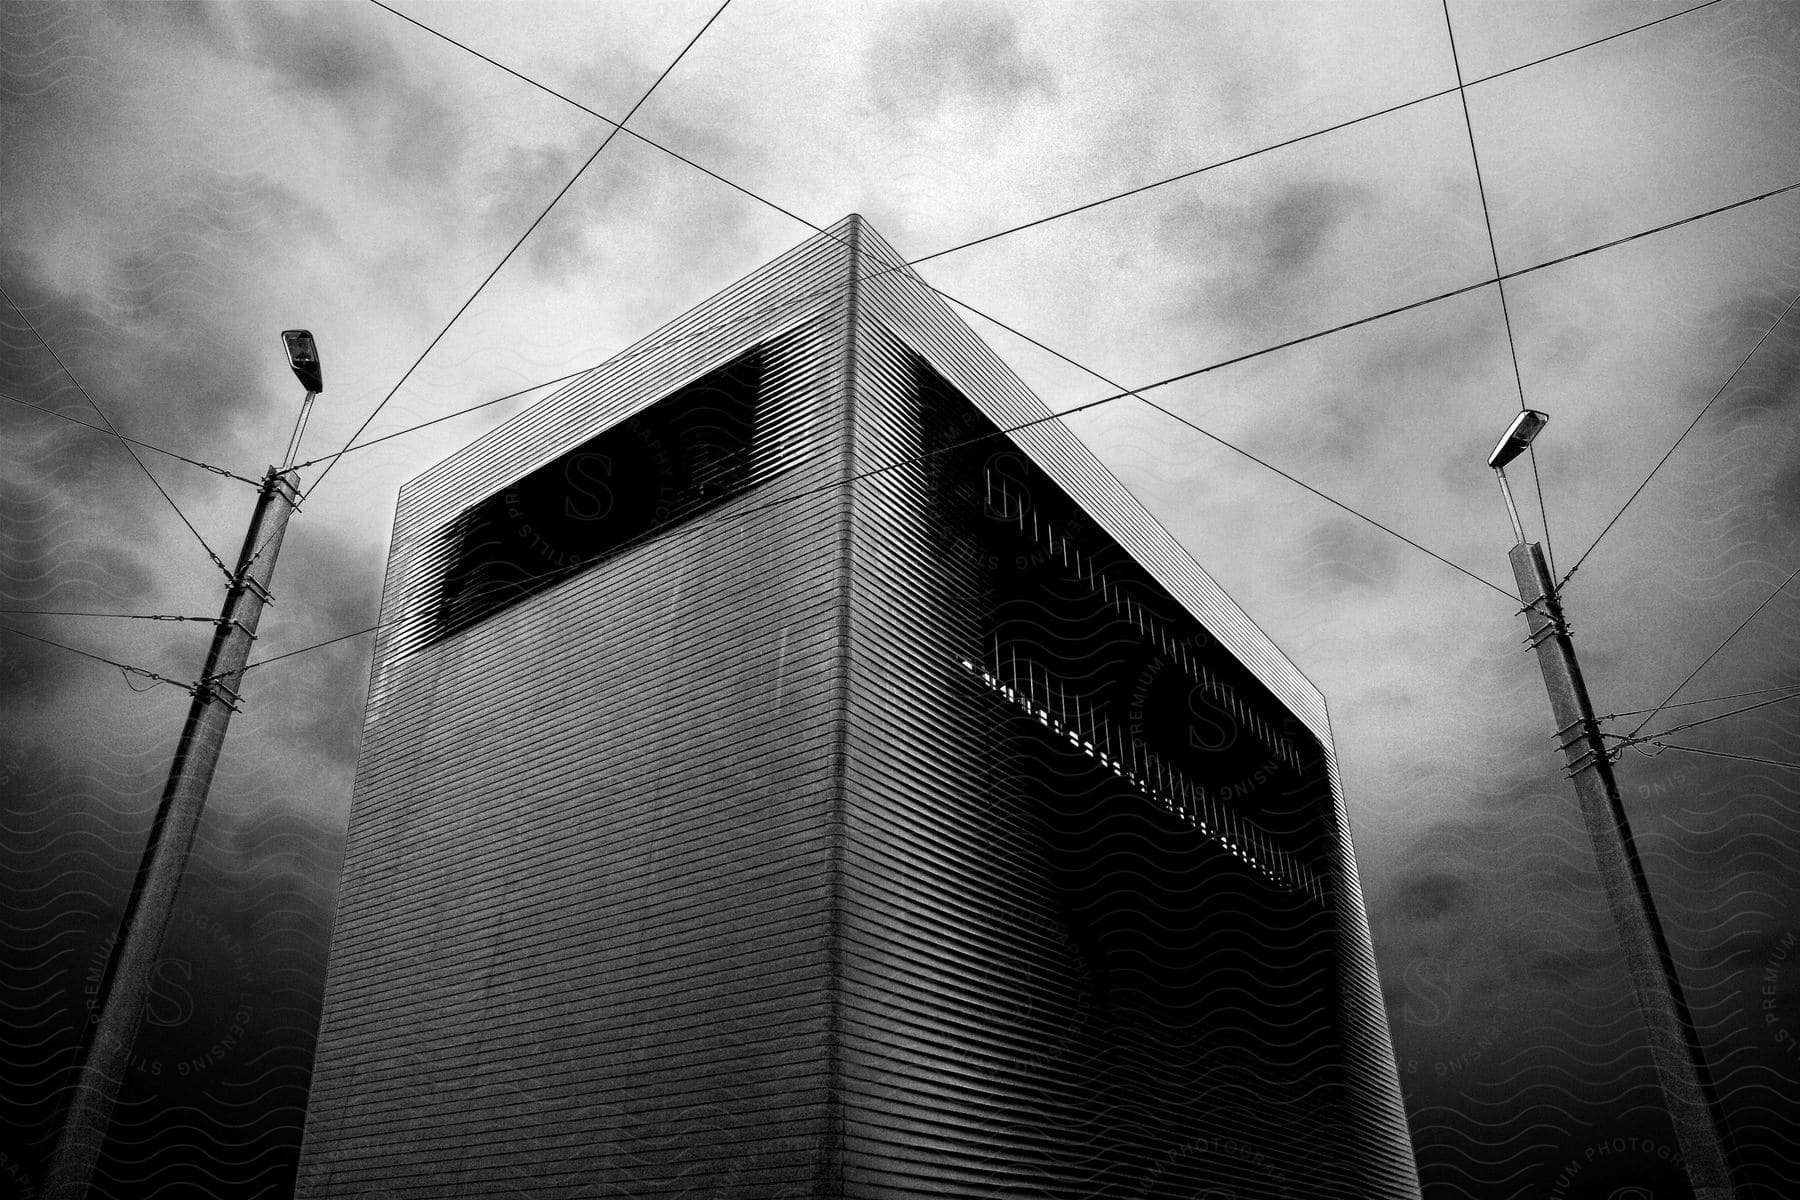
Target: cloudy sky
{"type": "Point", "coordinates": [181, 182]}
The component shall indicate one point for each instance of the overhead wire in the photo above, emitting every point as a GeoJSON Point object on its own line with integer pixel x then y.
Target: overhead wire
{"type": "Point", "coordinates": [1215, 437]}
{"type": "Point", "coordinates": [43, 612]}
{"type": "Point", "coordinates": [342, 637]}
{"type": "Point", "coordinates": [1487, 222]}
{"type": "Point", "coordinates": [1445, 295]}
{"type": "Point", "coordinates": [194, 462]}
{"type": "Point", "coordinates": [1213, 366]}
{"type": "Point", "coordinates": [605, 142]}
{"type": "Point", "coordinates": [1723, 387]}
{"type": "Point", "coordinates": [1236, 359]}
{"type": "Point", "coordinates": [1328, 499]}
{"type": "Point", "coordinates": [1715, 653]}
{"type": "Point", "coordinates": [1248, 355]}
{"type": "Point", "coordinates": [461, 412]}
{"type": "Point", "coordinates": [1133, 191]}
{"type": "Point", "coordinates": [113, 429]}
{"type": "Point", "coordinates": [1499, 278]}
{"type": "Point", "coordinates": [1281, 145]}
{"type": "Point", "coordinates": [1690, 703]}
{"type": "Point", "coordinates": [125, 667]}
{"type": "Point", "coordinates": [618, 126]}
{"type": "Point", "coordinates": [1792, 695]}
{"type": "Point", "coordinates": [1752, 758]}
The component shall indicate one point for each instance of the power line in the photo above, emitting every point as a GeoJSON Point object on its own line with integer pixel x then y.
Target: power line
{"type": "Point", "coordinates": [1771, 762]}
{"type": "Point", "coordinates": [461, 412]}
{"type": "Point", "coordinates": [605, 142]}
{"type": "Point", "coordinates": [342, 637]}
{"type": "Point", "coordinates": [1690, 428]}
{"type": "Point", "coordinates": [1329, 499]}
{"type": "Point", "coordinates": [914, 460]}
{"type": "Point", "coordinates": [1282, 145]}
{"type": "Point", "coordinates": [1740, 628]}
{"type": "Point", "coordinates": [1499, 276]}
{"type": "Point", "coordinates": [1214, 366]}
{"type": "Point", "coordinates": [1663, 228]}
{"type": "Point", "coordinates": [1553, 262]}
{"type": "Point", "coordinates": [1137, 393]}
{"type": "Point", "coordinates": [1215, 437]}
{"type": "Point", "coordinates": [193, 462]}
{"type": "Point", "coordinates": [125, 667]}
{"type": "Point", "coordinates": [1690, 703]}
{"type": "Point", "coordinates": [1189, 174]}
{"type": "Point", "coordinates": [111, 428]}
{"type": "Point", "coordinates": [1487, 222]}
{"type": "Point", "coordinates": [617, 126]}
{"type": "Point", "coordinates": [1221, 363]}
{"type": "Point", "coordinates": [42, 612]}
{"type": "Point", "coordinates": [1720, 716]}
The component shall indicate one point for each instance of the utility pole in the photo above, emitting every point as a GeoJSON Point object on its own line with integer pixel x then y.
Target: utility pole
{"type": "Point", "coordinates": [125, 987]}
{"type": "Point", "coordinates": [1687, 1085]}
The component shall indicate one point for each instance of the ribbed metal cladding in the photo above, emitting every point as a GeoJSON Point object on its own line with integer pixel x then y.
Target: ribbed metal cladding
{"type": "Point", "coordinates": [581, 945]}
{"type": "Point", "coordinates": [827, 835]}
{"type": "Point", "coordinates": [1080, 959]}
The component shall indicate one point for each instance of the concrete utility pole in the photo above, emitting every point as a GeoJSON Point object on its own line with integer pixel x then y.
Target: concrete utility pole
{"type": "Point", "coordinates": [1687, 1084]}
{"type": "Point", "coordinates": [125, 987]}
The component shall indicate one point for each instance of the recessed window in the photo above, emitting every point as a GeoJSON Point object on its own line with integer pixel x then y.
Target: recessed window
{"type": "Point", "coordinates": [672, 461]}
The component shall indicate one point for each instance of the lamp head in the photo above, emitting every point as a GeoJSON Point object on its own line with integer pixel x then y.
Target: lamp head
{"type": "Point", "coordinates": [303, 357]}
{"type": "Point", "coordinates": [1526, 426]}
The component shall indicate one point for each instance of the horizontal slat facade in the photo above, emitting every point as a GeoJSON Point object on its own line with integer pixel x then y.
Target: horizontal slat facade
{"type": "Point", "coordinates": [720, 866]}
{"type": "Point", "coordinates": [583, 936]}
{"type": "Point", "coordinates": [1054, 986]}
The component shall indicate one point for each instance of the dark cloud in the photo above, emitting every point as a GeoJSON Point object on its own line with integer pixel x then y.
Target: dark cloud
{"type": "Point", "coordinates": [1504, 975]}
{"type": "Point", "coordinates": [347, 64]}
{"type": "Point", "coordinates": [144, 230]}
{"type": "Point", "coordinates": [1769, 382]}
{"type": "Point", "coordinates": [271, 838]}
{"type": "Point", "coordinates": [339, 61]}
{"type": "Point", "coordinates": [222, 1062]}
{"type": "Point", "coordinates": [1433, 897]}
{"type": "Point", "coordinates": [930, 57]}
{"type": "Point", "coordinates": [1302, 218]}
{"type": "Point", "coordinates": [528, 178]}
{"type": "Point", "coordinates": [1347, 555]}
{"type": "Point", "coordinates": [324, 589]}
{"type": "Point", "coordinates": [1258, 254]}
{"type": "Point", "coordinates": [164, 261]}
{"type": "Point", "coordinates": [602, 225]}
{"type": "Point", "coordinates": [1563, 968]}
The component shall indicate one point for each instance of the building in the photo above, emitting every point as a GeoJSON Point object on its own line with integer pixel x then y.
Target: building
{"type": "Point", "coordinates": [777, 781]}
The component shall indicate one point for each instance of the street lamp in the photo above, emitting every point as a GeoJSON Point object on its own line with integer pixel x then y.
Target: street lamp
{"type": "Point", "coordinates": [1518, 436]}
{"type": "Point", "coordinates": [1687, 1084]}
{"type": "Point", "coordinates": [303, 359]}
